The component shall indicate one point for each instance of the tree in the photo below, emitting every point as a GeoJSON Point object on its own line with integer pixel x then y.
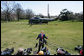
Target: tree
{"type": "Point", "coordinates": [7, 7]}
{"type": "Point", "coordinates": [2, 16]}
{"type": "Point", "coordinates": [64, 15]}
{"type": "Point", "coordinates": [79, 16]}
{"type": "Point", "coordinates": [29, 13]}
{"type": "Point", "coordinates": [18, 10]}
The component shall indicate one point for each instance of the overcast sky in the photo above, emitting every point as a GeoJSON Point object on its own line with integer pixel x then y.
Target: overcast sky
{"type": "Point", "coordinates": [54, 6]}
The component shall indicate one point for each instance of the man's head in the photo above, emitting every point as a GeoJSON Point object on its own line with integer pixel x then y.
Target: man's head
{"type": "Point", "coordinates": [60, 51]}
{"type": "Point", "coordinates": [42, 31]}
{"type": "Point", "coordinates": [40, 53]}
{"type": "Point", "coordinates": [20, 50]}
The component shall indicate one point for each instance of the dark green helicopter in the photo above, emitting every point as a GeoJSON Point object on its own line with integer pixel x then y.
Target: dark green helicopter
{"type": "Point", "coordinates": [38, 20]}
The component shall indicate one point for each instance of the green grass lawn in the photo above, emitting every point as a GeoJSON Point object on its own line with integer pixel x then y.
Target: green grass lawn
{"type": "Point", "coordinates": [60, 34]}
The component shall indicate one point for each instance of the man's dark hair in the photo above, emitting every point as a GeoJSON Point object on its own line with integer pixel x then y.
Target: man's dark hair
{"type": "Point", "coordinates": [78, 48]}
{"type": "Point", "coordinates": [29, 50]}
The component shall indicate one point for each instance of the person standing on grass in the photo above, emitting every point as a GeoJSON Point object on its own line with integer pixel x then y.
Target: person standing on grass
{"type": "Point", "coordinates": [42, 40]}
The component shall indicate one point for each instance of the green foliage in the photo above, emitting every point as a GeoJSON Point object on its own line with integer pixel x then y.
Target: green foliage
{"type": "Point", "coordinates": [68, 15]}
